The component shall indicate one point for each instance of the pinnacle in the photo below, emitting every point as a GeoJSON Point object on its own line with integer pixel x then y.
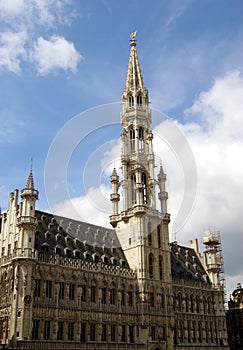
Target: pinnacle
{"type": "Point", "coordinates": [30, 182]}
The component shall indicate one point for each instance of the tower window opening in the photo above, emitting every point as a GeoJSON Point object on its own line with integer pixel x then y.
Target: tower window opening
{"type": "Point", "coordinates": [139, 100]}
{"type": "Point", "coordinates": [151, 265]}
{"type": "Point", "coordinates": [160, 267]}
{"type": "Point", "coordinates": [132, 139]}
{"type": "Point", "coordinates": [141, 139]}
{"type": "Point", "coordinates": [131, 101]}
{"type": "Point", "coordinates": [144, 183]}
{"type": "Point", "coordinates": [159, 236]}
{"type": "Point", "coordinates": [133, 179]}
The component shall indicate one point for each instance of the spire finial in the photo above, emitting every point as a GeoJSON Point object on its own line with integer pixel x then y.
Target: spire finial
{"type": "Point", "coordinates": [133, 38]}
{"type": "Point", "coordinates": [31, 163]}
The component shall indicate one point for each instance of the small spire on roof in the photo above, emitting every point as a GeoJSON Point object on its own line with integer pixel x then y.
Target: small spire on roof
{"type": "Point", "coordinates": [30, 181]}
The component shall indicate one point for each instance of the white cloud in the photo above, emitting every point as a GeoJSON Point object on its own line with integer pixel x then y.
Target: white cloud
{"type": "Point", "coordinates": [88, 208]}
{"type": "Point", "coordinates": [55, 54]}
{"type": "Point", "coordinates": [217, 144]}
{"type": "Point", "coordinates": [12, 51]}
{"type": "Point", "coordinates": [21, 22]}
{"type": "Point", "coordinates": [33, 13]}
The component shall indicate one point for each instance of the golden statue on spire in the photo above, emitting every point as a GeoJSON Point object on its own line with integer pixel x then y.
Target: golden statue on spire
{"type": "Point", "coordinates": [133, 35]}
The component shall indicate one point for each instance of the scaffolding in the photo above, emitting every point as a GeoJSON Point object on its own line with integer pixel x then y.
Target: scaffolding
{"type": "Point", "coordinates": [213, 238]}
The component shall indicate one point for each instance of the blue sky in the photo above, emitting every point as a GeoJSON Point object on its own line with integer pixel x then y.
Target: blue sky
{"type": "Point", "coordinates": [61, 58]}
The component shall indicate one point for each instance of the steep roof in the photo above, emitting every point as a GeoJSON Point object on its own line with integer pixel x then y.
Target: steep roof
{"type": "Point", "coordinates": [185, 264]}
{"type": "Point", "coordinates": [78, 240]}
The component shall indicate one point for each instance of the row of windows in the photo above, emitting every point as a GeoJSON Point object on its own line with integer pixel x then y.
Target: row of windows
{"type": "Point", "coordinates": [88, 332]}
{"type": "Point", "coordinates": [90, 294]}
{"type": "Point", "coordinates": [87, 294]}
{"type": "Point", "coordinates": [192, 304]}
{"type": "Point", "coordinates": [192, 332]}
{"type": "Point", "coordinates": [150, 237]}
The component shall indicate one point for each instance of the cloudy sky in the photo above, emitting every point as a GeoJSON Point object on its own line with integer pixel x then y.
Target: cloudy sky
{"type": "Point", "coordinates": [62, 70]}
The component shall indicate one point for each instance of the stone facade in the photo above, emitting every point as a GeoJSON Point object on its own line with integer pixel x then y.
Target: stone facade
{"type": "Point", "coordinates": [72, 285]}
{"type": "Point", "coordinates": [234, 317]}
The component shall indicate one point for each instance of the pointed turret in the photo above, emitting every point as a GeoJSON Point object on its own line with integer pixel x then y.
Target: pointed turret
{"type": "Point", "coordinates": [29, 189]}
{"type": "Point", "coordinates": [27, 207]}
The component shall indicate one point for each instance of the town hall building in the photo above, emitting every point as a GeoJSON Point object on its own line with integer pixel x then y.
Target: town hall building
{"type": "Point", "coordinates": [66, 284]}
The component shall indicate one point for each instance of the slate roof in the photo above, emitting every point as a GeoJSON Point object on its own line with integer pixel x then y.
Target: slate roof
{"type": "Point", "coordinates": [78, 240]}
{"type": "Point", "coordinates": [81, 240]}
{"type": "Point", "coordinates": [185, 264]}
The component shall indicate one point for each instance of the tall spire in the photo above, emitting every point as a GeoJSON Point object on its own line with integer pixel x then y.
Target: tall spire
{"type": "Point", "coordinates": [134, 81]}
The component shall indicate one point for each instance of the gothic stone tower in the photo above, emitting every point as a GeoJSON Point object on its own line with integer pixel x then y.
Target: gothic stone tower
{"type": "Point", "coordinates": [142, 228]}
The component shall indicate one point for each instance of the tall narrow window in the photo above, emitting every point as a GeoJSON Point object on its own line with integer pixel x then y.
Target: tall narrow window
{"type": "Point", "coordinates": [35, 329]}
{"type": "Point", "coordinates": [132, 139]}
{"type": "Point", "coordinates": [130, 298]}
{"type": "Point", "coordinates": [70, 330]}
{"type": "Point", "coordinates": [104, 332]}
{"type": "Point", "coordinates": [123, 297]}
{"type": "Point", "coordinates": [92, 332]}
{"type": "Point", "coordinates": [123, 334]}
{"type": "Point", "coordinates": [60, 331]}
{"type": "Point", "coordinates": [141, 139]}
{"type": "Point", "coordinates": [144, 183]}
{"type": "Point", "coordinates": [47, 330]}
{"type": "Point", "coordinates": [131, 334]}
{"type": "Point", "coordinates": [160, 267]}
{"type": "Point", "coordinates": [159, 236]}
{"type": "Point", "coordinates": [151, 299]}
{"type": "Point", "coordinates": [48, 289]}
{"type": "Point", "coordinates": [112, 296]}
{"type": "Point", "coordinates": [133, 180]}
{"type": "Point", "coordinates": [151, 266]}
{"type": "Point", "coordinates": [103, 295]}
{"type": "Point", "coordinates": [83, 333]}
{"type": "Point", "coordinates": [71, 291]}
{"type": "Point", "coordinates": [61, 290]}
{"type": "Point", "coordinates": [37, 292]}
{"type": "Point", "coordinates": [92, 294]}
{"type": "Point", "coordinates": [113, 332]}
{"type": "Point", "coordinates": [83, 293]}
{"type": "Point", "coordinates": [131, 101]}
{"type": "Point", "coordinates": [153, 333]}
{"type": "Point", "coordinates": [139, 100]}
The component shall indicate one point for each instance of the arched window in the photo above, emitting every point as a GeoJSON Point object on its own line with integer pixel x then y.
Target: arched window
{"type": "Point", "coordinates": [139, 100]}
{"type": "Point", "coordinates": [141, 138]}
{"type": "Point", "coordinates": [131, 101]}
{"type": "Point", "coordinates": [160, 267]}
{"type": "Point", "coordinates": [151, 265]}
{"type": "Point", "coordinates": [144, 183]}
{"type": "Point", "coordinates": [133, 180]}
{"type": "Point", "coordinates": [132, 139]}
